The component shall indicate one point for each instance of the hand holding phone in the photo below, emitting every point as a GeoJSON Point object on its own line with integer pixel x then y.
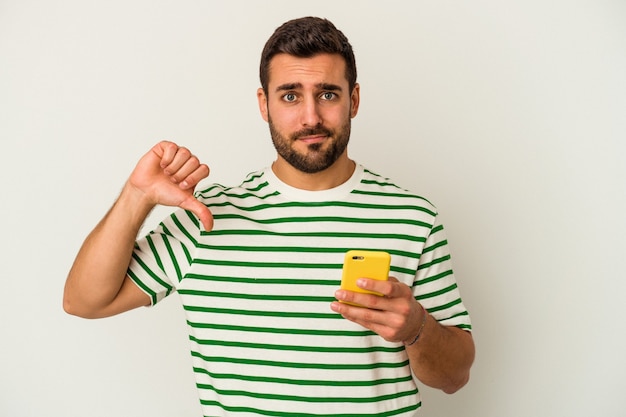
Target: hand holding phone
{"type": "Point", "coordinates": [364, 264]}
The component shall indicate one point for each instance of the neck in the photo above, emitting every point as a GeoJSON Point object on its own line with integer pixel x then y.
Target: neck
{"type": "Point", "coordinates": [333, 176]}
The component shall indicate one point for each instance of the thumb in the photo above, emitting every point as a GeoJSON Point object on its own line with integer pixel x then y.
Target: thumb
{"type": "Point", "coordinates": [200, 210]}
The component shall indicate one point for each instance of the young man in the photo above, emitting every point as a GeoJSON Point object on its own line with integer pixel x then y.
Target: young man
{"type": "Point", "coordinates": [258, 266]}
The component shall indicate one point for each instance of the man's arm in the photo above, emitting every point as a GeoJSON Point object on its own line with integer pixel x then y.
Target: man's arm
{"type": "Point", "coordinates": [441, 357]}
{"type": "Point", "coordinates": [97, 284]}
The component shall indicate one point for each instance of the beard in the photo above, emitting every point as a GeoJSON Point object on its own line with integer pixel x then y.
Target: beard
{"type": "Point", "coordinates": [318, 156]}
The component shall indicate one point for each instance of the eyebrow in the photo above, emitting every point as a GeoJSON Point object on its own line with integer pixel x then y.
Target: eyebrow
{"type": "Point", "coordinates": [320, 86]}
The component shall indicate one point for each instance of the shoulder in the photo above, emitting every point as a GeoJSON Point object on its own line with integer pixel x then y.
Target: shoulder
{"type": "Point", "coordinates": [383, 188]}
{"type": "Point", "coordinates": [255, 185]}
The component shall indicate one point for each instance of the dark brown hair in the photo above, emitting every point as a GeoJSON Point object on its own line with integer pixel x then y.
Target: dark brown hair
{"type": "Point", "coordinates": [304, 38]}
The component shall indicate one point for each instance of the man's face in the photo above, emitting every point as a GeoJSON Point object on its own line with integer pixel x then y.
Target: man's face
{"type": "Point", "coordinates": [308, 107]}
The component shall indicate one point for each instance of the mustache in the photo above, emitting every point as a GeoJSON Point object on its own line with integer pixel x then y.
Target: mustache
{"type": "Point", "coordinates": [312, 131]}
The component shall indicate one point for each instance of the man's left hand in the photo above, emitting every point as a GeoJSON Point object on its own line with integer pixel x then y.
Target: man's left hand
{"type": "Point", "coordinates": [395, 316]}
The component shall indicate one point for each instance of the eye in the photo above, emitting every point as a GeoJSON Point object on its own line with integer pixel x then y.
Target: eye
{"type": "Point", "coordinates": [289, 97]}
{"type": "Point", "coordinates": [328, 96]}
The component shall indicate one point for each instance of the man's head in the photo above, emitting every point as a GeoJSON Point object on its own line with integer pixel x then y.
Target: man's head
{"type": "Point", "coordinates": [304, 38]}
{"type": "Point", "coordinates": [309, 94]}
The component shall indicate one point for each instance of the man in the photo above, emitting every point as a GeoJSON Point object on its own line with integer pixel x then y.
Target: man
{"type": "Point", "coordinates": [258, 266]}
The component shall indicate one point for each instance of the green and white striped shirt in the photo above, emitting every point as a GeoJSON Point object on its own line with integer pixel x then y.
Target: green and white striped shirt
{"type": "Point", "coordinates": [257, 291]}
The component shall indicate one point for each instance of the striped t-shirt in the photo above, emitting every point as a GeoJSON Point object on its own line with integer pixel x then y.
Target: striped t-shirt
{"type": "Point", "coordinates": [257, 290]}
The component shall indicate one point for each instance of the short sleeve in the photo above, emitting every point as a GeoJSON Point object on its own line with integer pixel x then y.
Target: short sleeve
{"type": "Point", "coordinates": [435, 285]}
{"type": "Point", "coordinates": [161, 259]}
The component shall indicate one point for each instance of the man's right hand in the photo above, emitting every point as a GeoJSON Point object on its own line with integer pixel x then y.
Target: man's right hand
{"type": "Point", "coordinates": [98, 284]}
{"type": "Point", "coordinates": [167, 175]}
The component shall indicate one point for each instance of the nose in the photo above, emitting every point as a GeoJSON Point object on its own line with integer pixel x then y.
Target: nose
{"type": "Point", "coordinates": [310, 113]}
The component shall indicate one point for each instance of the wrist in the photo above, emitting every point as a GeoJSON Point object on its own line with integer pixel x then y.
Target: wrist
{"type": "Point", "coordinates": [413, 340]}
{"type": "Point", "coordinates": [134, 203]}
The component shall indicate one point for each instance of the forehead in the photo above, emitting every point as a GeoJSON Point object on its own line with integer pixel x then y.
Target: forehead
{"type": "Point", "coordinates": [315, 70]}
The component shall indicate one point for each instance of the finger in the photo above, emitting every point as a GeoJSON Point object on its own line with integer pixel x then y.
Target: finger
{"type": "Point", "coordinates": [187, 168]}
{"type": "Point", "coordinates": [392, 288]}
{"type": "Point", "coordinates": [165, 151]}
{"type": "Point", "coordinates": [197, 175]}
{"type": "Point", "coordinates": [180, 158]}
{"type": "Point", "coordinates": [371, 301]}
{"type": "Point", "coordinates": [200, 210]}
{"type": "Point", "coordinates": [388, 324]}
{"type": "Point", "coordinates": [381, 287]}
{"type": "Point", "coordinates": [364, 316]}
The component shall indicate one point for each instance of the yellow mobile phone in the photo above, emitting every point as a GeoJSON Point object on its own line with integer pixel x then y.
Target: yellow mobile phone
{"type": "Point", "coordinates": [364, 264]}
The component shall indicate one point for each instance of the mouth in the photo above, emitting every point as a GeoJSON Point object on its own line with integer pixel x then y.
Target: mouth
{"type": "Point", "coordinates": [311, 136]}
{"type": "Point", "coordinates": [312, 139]}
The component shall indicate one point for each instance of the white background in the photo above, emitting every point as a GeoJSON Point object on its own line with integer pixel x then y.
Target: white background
{"type": "Point", "coordinates": [509, 116]}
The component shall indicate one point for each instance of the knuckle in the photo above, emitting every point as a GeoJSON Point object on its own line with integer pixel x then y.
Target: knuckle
{"type": "Point", "coordinates": [404, 309]}
{"type": "Point", "coordinates": [168, 146]}
{"type": "Point", "coordinates": [368, 315]}
{"type": "Point", "coordinates": [375, 301]}
{"type": "Point", "coordinates": [397, 322]}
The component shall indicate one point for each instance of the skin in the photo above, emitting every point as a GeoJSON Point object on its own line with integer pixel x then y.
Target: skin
{"type": "Point", "coordinates": [304, 93]}
{"type": "Point", "coordinates": [308, 106]}
{"type": "Point", "coordinates": [442, 356]}
{"type": "Point", "coordinates": [97, 286]}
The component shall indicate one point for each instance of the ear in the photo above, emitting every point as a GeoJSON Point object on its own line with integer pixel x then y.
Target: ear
{"type": "Point", "coordinates": [355, 99]}
{"type": "Point", "coordinates": [262, 98]}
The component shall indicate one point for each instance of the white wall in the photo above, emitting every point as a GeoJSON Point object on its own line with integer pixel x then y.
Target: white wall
{"type": "Point", "coordinates": [510, 116]}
